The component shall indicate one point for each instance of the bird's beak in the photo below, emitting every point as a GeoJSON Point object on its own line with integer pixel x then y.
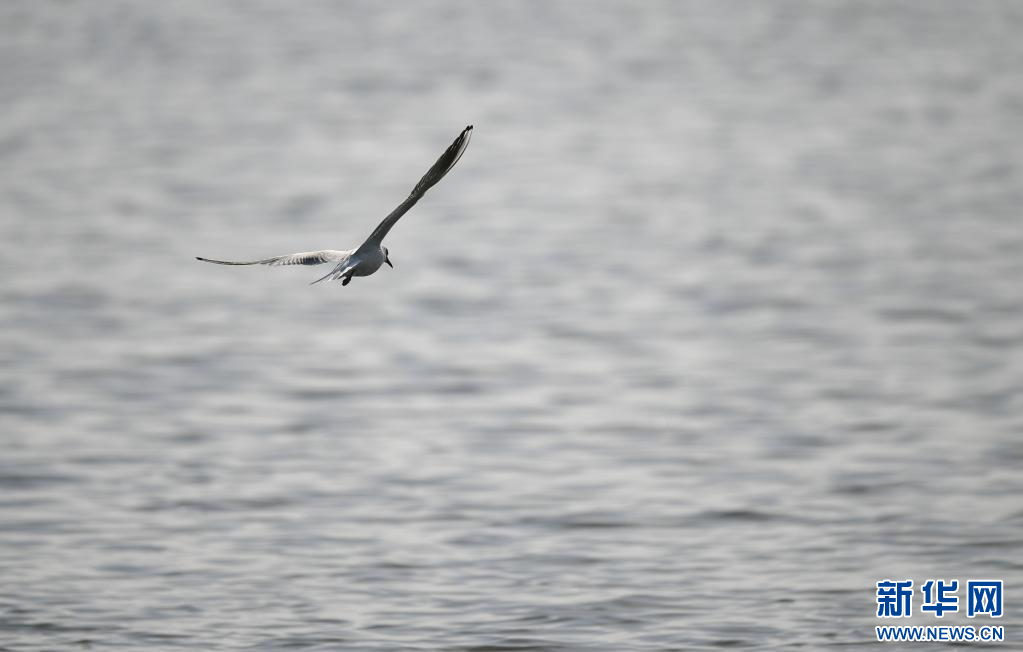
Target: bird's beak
{"type": "Point", "coordinates": [388, 261]}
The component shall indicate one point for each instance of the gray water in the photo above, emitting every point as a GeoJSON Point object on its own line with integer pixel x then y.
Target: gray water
{"type": "Point", "coordinates": [717, 323]}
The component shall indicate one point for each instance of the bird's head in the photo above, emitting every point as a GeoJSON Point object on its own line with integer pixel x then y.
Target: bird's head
{"type": "Point", "coordinates": [387, 258]}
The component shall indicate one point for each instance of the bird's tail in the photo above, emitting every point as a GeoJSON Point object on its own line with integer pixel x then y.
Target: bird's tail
{"type": "Point", "coordinates": [343, 269]}
{"type": "Point", "coordinates": [331, 274]}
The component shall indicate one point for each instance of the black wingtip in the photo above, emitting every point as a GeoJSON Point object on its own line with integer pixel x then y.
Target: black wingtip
{"type": "Point", "coordinates": [468, 128]}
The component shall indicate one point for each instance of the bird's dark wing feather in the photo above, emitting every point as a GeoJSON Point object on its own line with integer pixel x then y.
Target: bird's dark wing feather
{"type": "Point", "coordinates": [446, 161]}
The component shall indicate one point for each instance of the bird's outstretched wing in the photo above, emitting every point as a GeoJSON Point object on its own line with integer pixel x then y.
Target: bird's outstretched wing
{"type": "Point", "coordinates": [301, 258]}
{"type": "Point", "coordinates": [446, 161]}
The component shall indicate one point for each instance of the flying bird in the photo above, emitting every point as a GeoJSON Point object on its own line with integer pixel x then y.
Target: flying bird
{"type": "Point", "coordinates": [371, 254]}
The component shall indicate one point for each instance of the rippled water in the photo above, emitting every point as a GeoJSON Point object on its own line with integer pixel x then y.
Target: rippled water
{"type": "Point", "coordinates": [717, 323]}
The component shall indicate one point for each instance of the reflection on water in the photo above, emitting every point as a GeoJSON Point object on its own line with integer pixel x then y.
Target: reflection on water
{"type": "Point", "coordinates": [715, 325]}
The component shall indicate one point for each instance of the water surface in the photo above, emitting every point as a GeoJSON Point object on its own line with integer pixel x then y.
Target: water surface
{"type": "Point", "coordinates": [716, 324]}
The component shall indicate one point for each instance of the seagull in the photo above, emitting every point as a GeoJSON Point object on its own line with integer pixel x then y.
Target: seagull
{"type": "Point", "coordinates": [371, 254]}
